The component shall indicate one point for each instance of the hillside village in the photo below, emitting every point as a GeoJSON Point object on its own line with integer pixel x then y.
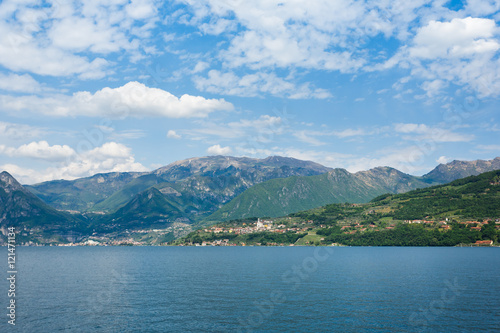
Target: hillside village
{"type": "Point", "coordinates": [226, 234]}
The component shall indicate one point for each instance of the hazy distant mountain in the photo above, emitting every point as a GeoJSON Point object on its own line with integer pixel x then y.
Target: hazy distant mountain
{"type": "Point", "coordinates": [147, 209]}
{"type": "Point", "coordinates": [214, 178]}
{"type": "Point", "coordinates": [203, 190]}
{"type": "Point", "coordinates": [84, 193]}
{"type": "Point", "coordinates": [202, 185]}
{"type": "Point", "coordinates": [279, 197]}
{"type": "Point", "coordinates": [445, 173]}
{"type": "Point", "coordinates": [191, 190]}
{"type": "Point", "coordinates": [21, 208]}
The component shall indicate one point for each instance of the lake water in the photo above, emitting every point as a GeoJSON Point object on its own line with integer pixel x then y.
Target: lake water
{"type": "Point", "coordinates": [255, 289]}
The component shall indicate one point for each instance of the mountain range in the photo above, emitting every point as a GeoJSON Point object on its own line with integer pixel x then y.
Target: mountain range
{"type": "Point", "coordinates": [279, 197]}
{"type": "Point", "coordinates": [23, 210]}
{"type": "Point", "coordinates": [206, 190]}
{"type": "Point", "coordinates": [463, 211]}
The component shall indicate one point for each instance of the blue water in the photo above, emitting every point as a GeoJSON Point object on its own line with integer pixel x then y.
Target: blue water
{"type": "Point", "coordinates": [255, 289]}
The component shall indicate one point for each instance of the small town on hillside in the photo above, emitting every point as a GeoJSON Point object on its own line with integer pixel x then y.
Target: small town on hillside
{"type": "Point", "coordinates": [269, 225]}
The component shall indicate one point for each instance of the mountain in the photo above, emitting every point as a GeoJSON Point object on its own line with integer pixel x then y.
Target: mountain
{"type": "Point", "coordinates": [445, 173]}
{"type": "Point", "coordinates": [148, 209]}
{"type": "Point", "coordinates": [216, 188]}
{"type": "Point", "coordinates": [22, 209]}
{"type": "Point", "coordinates": [465, 211]}
{"type": "Point", "coordinates": [84, 193]}
{"type": "Point", "coordinates": [280, 197]}
{"type": "Point", "coordinates": [202, 185]}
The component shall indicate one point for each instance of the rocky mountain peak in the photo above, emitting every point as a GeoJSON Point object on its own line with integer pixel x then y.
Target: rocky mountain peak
{"type": "Point", "coordinates": [453, 170]}
{"type": "Point", "coordinates": [9, 183]}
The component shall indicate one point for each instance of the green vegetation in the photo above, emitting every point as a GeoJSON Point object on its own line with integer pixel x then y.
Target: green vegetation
{"type": "Point", "coordinates": [257, 238]}
{"type": "Point", "coordinates": [278, 197]}
{"type": "Point", "coordinates": [433, 216]}
{"type": "Point", "coordinates": [174, 199]}
{"type": "Point", "coordinates": [411, 235]}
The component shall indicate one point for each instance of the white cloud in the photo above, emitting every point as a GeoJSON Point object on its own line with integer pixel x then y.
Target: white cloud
{"type": "Point", "coordinates": [141, 9]}
{"type": "Point", "coordinates": [409, 159]}
{"type": "Point", "coordinates": [462, 51]}
{"type": "Point", "coordinates": [19, 83]}
{"type": "Point", "coordinates": [127, 134]}
{"type": "Point", "coordinates": [260, 129]}
{"type": "Point", "coordinates": [436, 44]}
{"type": "Point", "coordinates": [62, 38]}
{"type": "Point", "coordinates": [110, 157]}
{"type": "Point", "coordinates": [467, 37]}
{"type": "Point", "coordinates": [171, 134]}
{"type": "Point", "coordinates": [21, 52]}
{"type": "Point", "coordinates": [200, 67]}
{"type": "Point", "coordinates": [488, 147]}
{"type": "Point", "coordinates": [304, 137]}
{"type": "Point", "coordinates": [39, 150]}
{"type": "Point", "coordinates": [434, 134]}
{"type": "Point", "coordinates": [442, 160]}
{"type": "Point", "coordinates": [326, 158]}
{"type": "Point", "coordinates": [22, 175]}
{"type": "Point", "coordinates": [218, 150]}
{"type": "Point", "coordinates": [12, 131]}
{"type": "Point", "coordinates": [482, 7]}
{"type": "Point", "coordinates": [133, 99]}
{"type": "Point", "coordinates": [349, 132]}
{"type": "Point", "coordinates": [252, 85]}
{"type": "Point", "coordinates": [329, 35]}
{"type": "Point", "coordinates": [109, 150]}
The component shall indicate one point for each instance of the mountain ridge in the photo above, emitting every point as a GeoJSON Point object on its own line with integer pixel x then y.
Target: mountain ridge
{"type": "Point", "coordinates": [279, 197]}
{"type": "Point", "coordinates": [22, 209]}
{"type": "Point", "coordinates": [193, 191]}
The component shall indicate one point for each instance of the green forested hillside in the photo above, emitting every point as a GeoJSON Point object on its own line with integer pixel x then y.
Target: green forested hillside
{"type": "Point", "coordinates": [474, 197]}
{"type": "Point", "coordinates": [461, 212]}
{"type": "Point", "coordinates": [21, 209]}
{"type": "Point", "coordinates": [280, 197]}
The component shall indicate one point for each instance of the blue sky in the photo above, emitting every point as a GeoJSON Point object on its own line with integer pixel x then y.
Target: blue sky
{"type": "Point", "coordinates": [119, 85]}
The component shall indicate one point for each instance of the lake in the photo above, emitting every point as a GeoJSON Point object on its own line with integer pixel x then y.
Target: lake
{"type": "Point", "coordinates": [254, 289]}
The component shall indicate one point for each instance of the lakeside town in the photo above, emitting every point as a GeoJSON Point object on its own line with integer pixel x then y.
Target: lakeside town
{"type": "Point", "coordinates": [224, 234]}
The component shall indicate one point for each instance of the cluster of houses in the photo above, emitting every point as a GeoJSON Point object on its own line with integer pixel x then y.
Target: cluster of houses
{"type": "Point", "coordinates": [259, 226]}
{"type": "Point", "coordinates": [358, 227]}
{"type": "Point", "coordinates": [474, 225]}
{"type": "Point", "coordinates": [94, 241]}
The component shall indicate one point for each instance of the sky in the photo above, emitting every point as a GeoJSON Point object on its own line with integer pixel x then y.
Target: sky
{"type": "Point", "coordinates": [102, 86]}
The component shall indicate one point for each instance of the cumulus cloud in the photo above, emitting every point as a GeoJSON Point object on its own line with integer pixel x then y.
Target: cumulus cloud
{"type": "Point", "coordinates": [458, 38]}
{"type": "Point", "coordinates": [218, 150]}
{"type": "Point", "coordinates": [134, 99]}
{"type": "Point", "coordinates": [39, 150]}
{"type": "Point", "coordinates": [462, 51]}
{"type": "Point", "coordinates": [22, 175]}
{"type": "Point", "coordinates": [110, 157]}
